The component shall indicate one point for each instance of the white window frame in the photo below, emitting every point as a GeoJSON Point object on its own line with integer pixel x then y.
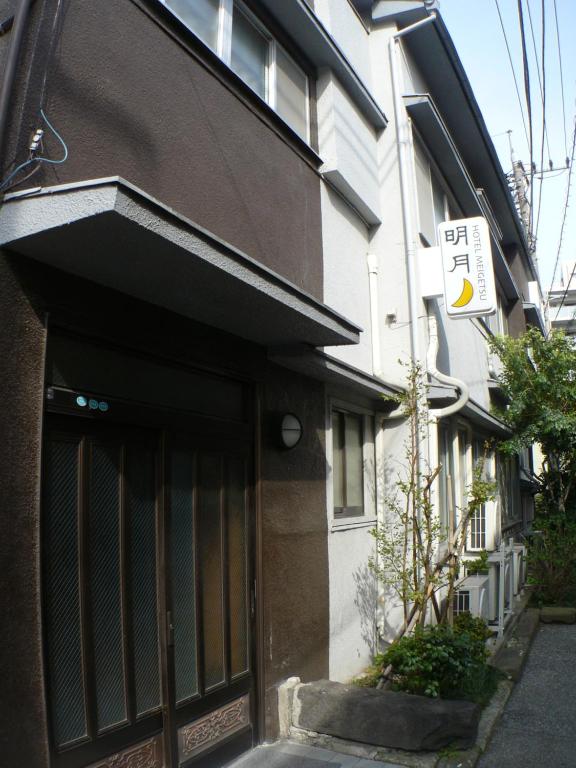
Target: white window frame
{"type": "Point", "coordinates": [419, 144]}
{"type": "Point", "coordinates": [224, 52]}
{"type": "Point", "coordinates": [368, 516]}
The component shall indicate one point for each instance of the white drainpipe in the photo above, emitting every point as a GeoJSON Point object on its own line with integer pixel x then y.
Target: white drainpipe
{"type": "Point", "coordinates": [443, 378]}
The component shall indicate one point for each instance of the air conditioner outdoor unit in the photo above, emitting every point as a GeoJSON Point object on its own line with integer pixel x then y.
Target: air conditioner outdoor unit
{"type": "Point", "coordinates": [472, 595]}
{"type": "Point", "coordinates": [507, 577]}
{"type": "Point", "coordinates": [519, 567]}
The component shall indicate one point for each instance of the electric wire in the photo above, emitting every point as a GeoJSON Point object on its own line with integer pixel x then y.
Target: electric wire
{"type": "Point", "coordinates": [561, 77]}
{"type": "Point", "coordinates": [542, 82]}
{"type": "Point", "coordinates": [39, 159]}
{"type": "Point", "coordinates": [513, 71]}
{"type": "Point", "coordinates": [540, 66]}
{"type": "Point", "coordinates": [564, 216]}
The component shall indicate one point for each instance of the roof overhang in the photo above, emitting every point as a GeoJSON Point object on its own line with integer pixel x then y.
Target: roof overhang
{"type": "Point", "coordinates": [434, 54]}
{"type": "Point", "coordinates": [302, 24]}
{"type": "Point", "coordinates": [441, 396]}
{"type": "Point", "coordinates": [321, 366]}
{"type": "Point", "coordinates": [534, 316]}
{"type": "Point", "coordinates": [112, 233]}
{"type": "Point", "coordinates": [423, 112]}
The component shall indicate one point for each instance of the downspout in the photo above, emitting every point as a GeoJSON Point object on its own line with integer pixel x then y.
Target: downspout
{"type": "Point", "coordinates": [17, 36]}
{"type": "Point", "coordinates": [443, 378]}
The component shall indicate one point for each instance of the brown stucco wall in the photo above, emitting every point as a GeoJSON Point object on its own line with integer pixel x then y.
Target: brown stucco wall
{"type": "Point", "coordinates": [293, 523]}
{"type": "Point", "coordinates": [150, 104]}
{"type": "Point", "coordinates": [295, 541]}
{"type": "Point", "coordinates": [22, 343]}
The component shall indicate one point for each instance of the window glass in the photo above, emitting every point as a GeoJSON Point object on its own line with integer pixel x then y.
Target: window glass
{"type": "Point", "coordinates": [245, 46]}
{"type": "Point", "coordinates": [338, 460]}
{"type": "Point", "coordinates": [354, 474]}
{"type": "Point", "coordinates": [424, 191]}
{"type": "Point", "coordinates": [462, 468]}
{"type": "Point", "coordinates": [438, 199]}
{"type": "Point", "coordinates": [348, 463]}
{"type": "Point", "coordinates": [201, 16]}
{"type": "Point", "coordinates": [446, 477]}
{"type": "Point", "coordinates": [291, 96]}
{"type": "Point", "coordinates": [249, 53]}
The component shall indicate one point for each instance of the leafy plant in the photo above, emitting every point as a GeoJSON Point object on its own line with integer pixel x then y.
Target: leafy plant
{"type": "Point", "coordinates": [539, 380]}
{"type": "Point", "coordinates": [552, 559]}
{"type": "Point", "coordinates": [477, 632]}
{"type": "Point", "coordinates": [478, 565]}
{"type": "Point", "coordinates": [409, 558]}
{"type": "Point", "coordinates": [440, 661]}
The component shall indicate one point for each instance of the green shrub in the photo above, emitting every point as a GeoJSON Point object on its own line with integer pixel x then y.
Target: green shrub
{"type": "Point", "coordinates": [443, 662]}
{"type": "Point", "coordinates": [476, 630]}
{"type": "Point", "coordinates": [552, 559]}
{"type": "Point", "coordinates": [479, 565]}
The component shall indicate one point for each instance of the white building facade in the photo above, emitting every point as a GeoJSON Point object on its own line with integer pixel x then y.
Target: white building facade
{"type": "Point", "coordinates": [385, 192]}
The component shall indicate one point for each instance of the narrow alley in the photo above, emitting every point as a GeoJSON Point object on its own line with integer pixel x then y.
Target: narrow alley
{"type": "Point", "coordinates": [537, 726]}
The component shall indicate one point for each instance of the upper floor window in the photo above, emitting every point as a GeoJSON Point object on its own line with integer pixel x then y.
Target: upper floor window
{"type": "Point", "coordinates": [248, 48]}
{"type": "Point", "coordinates": [433, 203]}
{"type": "Point", "coordinates": [353, 476]}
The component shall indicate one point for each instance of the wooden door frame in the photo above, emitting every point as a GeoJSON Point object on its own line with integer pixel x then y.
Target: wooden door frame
{"type": "Point", "coordinates": [59, 402]}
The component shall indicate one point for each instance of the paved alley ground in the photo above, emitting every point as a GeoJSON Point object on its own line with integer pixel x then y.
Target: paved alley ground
{"type": "Point", "coordinates": [538, 726]}
{"type": "Point", "coordinates": [288, 755]}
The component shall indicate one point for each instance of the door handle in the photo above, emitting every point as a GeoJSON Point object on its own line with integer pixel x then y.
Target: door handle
{"type": "Point", "coordinates": [169, 629]}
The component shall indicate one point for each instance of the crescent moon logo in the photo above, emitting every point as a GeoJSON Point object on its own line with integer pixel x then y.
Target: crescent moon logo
{"type": "Point", "coordinates": [466, 295]}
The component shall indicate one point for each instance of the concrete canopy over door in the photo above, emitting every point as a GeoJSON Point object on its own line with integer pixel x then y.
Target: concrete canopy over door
{"type": "Point", "coordinates": [113, 234]}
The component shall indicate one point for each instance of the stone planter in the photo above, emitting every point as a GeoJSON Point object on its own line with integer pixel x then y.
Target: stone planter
{"type": "Point", "coordinates": [381, 718]}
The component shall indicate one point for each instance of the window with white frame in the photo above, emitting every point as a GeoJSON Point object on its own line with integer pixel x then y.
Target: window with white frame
{"type": "Point", "coordinates": [455, 459]}
{"type": "Point", "coordinates": [477, 524]}
{"type": "Point", "coordinates": [498, 322]}
{"type": "Point", "coordinates": [446, 495]}
{"type": "Point", "coordinates": [233, 32]}
{"type": "Point", "coordinates": [433, 204]}
{"type": "Point", "coordinates": [508, 477]}
{"type": "Point", "coordinates": [352, 464]}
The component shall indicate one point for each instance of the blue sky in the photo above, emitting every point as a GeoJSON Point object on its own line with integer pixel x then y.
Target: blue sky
{"type": "Point", "coordinates": [477, 34]}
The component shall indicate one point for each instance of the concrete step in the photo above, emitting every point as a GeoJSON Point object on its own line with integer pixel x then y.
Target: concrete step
{"type": "Point", "coordinates": [286, 754]}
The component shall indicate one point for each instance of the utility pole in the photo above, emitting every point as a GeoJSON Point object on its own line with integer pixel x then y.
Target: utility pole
{"type": "Point", "coordinates": [521, 184]}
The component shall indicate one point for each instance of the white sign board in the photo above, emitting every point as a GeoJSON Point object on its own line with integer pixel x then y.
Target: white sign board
{"type": "Point", "coordinates": [469, 289]}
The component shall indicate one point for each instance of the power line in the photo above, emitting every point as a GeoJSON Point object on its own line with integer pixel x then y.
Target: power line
{"type": "Point", "coordinates": [541, 78]}
{"type": "Point", "coordinates": [543, 95]}
{"type": "Point", "coordinates": [561, 78]}
{"type": "Point", "coordinates": [562, 227]}
{"type": "Point", "coordinates": [513, 71]}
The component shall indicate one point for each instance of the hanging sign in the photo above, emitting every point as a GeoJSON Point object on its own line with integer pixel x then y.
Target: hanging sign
{"type": "Point", "coordinates": [469, 289]}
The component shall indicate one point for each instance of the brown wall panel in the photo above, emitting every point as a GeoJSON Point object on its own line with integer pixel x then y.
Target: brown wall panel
{"type": "Point", "coordinates": [295, 543]}
{"type": "Point", "coordinates": [129, 100]}
{"type": "Point", "coordinates": [22, 341]}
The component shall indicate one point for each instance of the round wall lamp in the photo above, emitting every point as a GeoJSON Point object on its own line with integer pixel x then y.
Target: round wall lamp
{"type": "Point", "coordinates": [290, 430]}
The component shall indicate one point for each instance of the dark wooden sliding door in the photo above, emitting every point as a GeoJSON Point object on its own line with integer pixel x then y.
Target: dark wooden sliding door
{"type": "Point", "coordinates": [148, 608]}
